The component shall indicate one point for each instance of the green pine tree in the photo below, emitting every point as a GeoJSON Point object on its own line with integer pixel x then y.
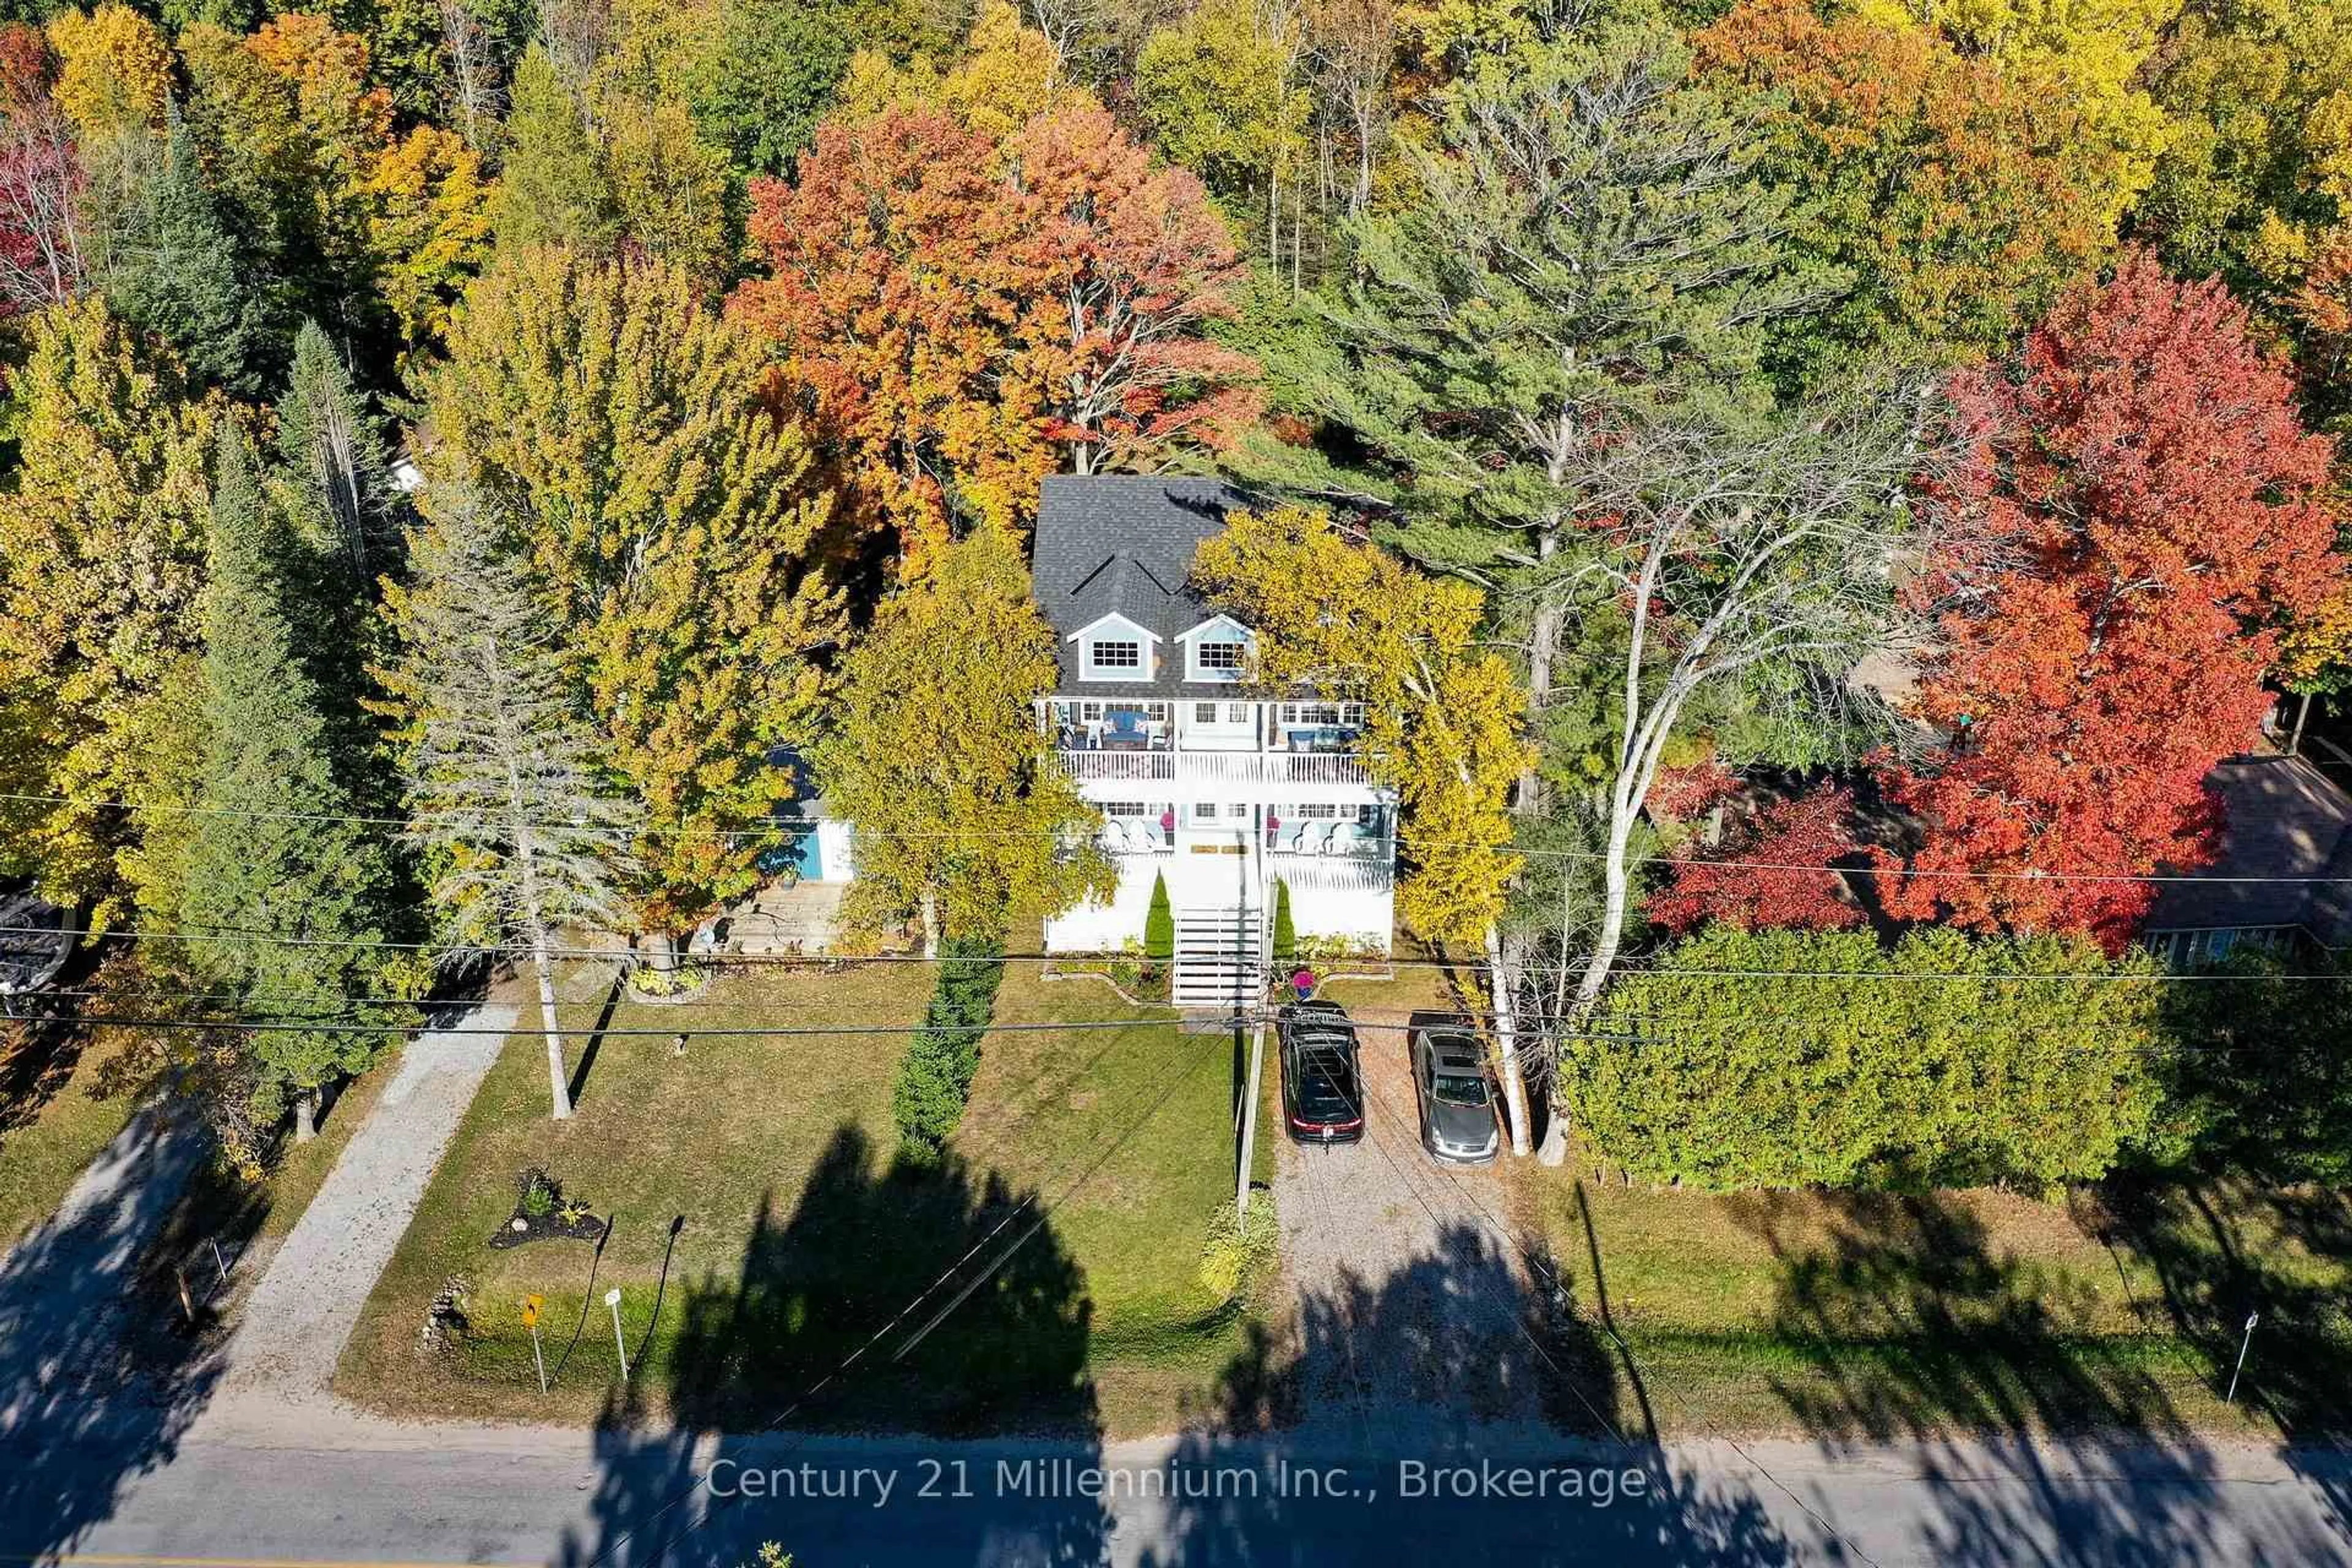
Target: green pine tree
{"type": "Point", "coordinates": [524, 830]}
{"type": "Point", "coordinates": [553, 189]}
{"type": "Point", "coordinates": [332, 443]}
{"type": "Point", "coordinates": [1286, 934]}
{"type": "Point", "coordinates": [295, 891]}
{"type": "Point", "coordinates": [181, 275]}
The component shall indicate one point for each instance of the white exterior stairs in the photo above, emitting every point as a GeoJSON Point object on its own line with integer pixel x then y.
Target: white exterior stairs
{"type": "Point", "coordinates": [1217, 957]}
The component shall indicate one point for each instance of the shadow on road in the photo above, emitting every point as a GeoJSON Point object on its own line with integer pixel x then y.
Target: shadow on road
{"type": "Point", "coordinates": [1412, 1387]}
{"type": "Point", "coordinates": [2038, 1436]}
{"type": "Point", "coordinates": [101, 1372]}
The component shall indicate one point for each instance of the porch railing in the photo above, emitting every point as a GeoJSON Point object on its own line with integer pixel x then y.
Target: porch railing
{"type": "Point", "coordinates": [1334, 874]}
{"type": "Point", "coordinates": [1217, 767]}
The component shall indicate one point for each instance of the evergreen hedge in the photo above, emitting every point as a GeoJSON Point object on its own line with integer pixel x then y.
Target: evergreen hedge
{"type": "Point", "coordinates": [1856, 1073]}
{"type": "Point", "coordinates": [935, 1075]}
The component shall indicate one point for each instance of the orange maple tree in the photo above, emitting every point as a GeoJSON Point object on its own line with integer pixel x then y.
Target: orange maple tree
{"type": "Point", "coordinates": [959, 324]}
{"type": "Point", "coordinates": [2140, 512]}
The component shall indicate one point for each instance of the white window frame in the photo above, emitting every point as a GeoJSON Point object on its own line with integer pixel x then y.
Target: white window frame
{"type": "Point", "coordinates": [1097, 670]}
{"type": "Point", "coordinates": [1199, 669]}
{"type": "Point", "coordinates": [1127, 808]}
{"type": "Point", "coordinates": [1323, 715]}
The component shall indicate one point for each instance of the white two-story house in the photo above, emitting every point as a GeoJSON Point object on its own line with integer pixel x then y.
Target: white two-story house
{"type": "Point", "coordinates": [1203, 777]}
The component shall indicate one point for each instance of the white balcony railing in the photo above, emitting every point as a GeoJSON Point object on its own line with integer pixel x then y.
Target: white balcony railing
{"type": "Point", "coordinates": [1251, 768]}
{"type": "Point", "coordinates": [1337, 874]}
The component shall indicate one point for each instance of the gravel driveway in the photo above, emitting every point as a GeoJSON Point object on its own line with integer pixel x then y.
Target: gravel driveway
{"type": "Point", "coordinates": [295, 1323]}
{"type": "Point", "coordinates": [1411, 1304]}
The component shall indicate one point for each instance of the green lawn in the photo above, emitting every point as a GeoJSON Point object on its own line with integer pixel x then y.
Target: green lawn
{"type": "Point", "coordinates": [57, 1126]}
{"type": "Point", "coordinates": [1862, 1315]}
{"type": "Point", "coordinates": [803, 1234]}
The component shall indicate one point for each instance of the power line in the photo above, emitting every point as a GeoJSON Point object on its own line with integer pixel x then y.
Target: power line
{"type": "Point", "coordinates": [1503, 1235]}
{"type": "Point", "coordinates": [1540, 1027]}
{"type": "Point", "coordinates": [346, 1027]}
{"type": "Point", "coordinates": [612, 955]}
{"type": "Point", "coordinates": [771, 825]}
{"type": "Point", "coordinates": [995, 1266]}
{"type": "Point", "coordinates": [1552, 968]}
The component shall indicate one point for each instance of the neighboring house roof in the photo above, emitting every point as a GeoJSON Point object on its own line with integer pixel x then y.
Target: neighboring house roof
{"type": "Point", "coordinates": [2284, 820]}
{"type": "Point", "coordinates": [1121, 545]}
{"type": "Point", "coordinates": [35, 938]}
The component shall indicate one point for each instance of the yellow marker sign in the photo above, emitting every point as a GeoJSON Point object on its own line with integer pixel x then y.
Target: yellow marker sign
{"type": "Point", "coordinates": [530, 1311]}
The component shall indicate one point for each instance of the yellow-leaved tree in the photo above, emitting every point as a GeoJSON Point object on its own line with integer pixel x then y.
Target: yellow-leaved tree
{"type": "Point", "coordinates": [1008, 76]}
{"type": "Point", "coordinates": [963, 817]}
{"type": "Point", "coordinates": [2088, 53]}
{"type": "Point", "coordinates": [668, 512]}
{"type": "Point", "coordinates": [101, 560]}
{"type": "Point", "coordinates": [1444, 717]}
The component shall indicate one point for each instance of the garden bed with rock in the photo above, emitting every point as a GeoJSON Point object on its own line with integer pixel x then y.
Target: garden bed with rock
{"type": "Point", "coordinates": [542, 1213]}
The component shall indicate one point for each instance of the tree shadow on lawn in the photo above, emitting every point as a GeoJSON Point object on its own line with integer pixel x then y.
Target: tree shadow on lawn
{"type": "Point", "coordinates": [1910, 1326]}
{"type": "Point", "coordinates": [2037, 1438]}
{"type": "Point", "coordinates": [2214, 1249]}
{"type": "Point", "coordinates": [102, 1373]}
{"type": "Point", "coordinates": [1451, 1362]}
{"type": "Point", "coordinates": [978, 1322]}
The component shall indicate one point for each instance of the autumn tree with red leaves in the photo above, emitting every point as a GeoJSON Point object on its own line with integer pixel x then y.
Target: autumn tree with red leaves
{"type": "Point", "coordinates": [1134, 264]}
{"type": "Point", "coordinates": [41, 250]}
{"type": "Point", "coordinates": [963, 323]}
{"type": "Point", "coordinates": [2140, 512]}
{"type": "Point", "coordinates": [1772, 872]}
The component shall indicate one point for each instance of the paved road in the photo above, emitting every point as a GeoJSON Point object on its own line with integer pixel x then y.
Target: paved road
{"type": "Point", "coordinates": [473, 1494]}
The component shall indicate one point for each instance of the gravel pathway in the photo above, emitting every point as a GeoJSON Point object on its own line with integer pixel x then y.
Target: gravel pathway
{"type": "Point", "coordinates": [1409, 1295]}
{"type": "Point", "coordinates": [295, 1322]}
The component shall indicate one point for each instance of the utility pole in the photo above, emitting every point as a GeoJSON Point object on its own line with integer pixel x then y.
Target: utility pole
{"type": "Point", "coordinates": [1249, 1121]}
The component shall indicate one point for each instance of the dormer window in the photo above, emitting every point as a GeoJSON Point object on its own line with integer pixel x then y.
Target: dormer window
{"type": "Point", "coordinates": [1222, 658]}
{"type": "Point", "coordinates": [1115, 655]}
{"type": "Point", "coordinates": [1113, 647]}
{"type": "Point", "coordinates": [1218, 649]}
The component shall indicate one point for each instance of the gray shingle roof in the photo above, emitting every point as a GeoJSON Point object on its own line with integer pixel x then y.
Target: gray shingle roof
{"type": "Point", "coordinates": [2282, 819]}
{"type": "Point", "coordinates": [1123, 544]}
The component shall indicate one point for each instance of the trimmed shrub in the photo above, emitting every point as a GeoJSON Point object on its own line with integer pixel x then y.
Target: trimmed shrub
{"type": "Point", "coordinates": [935, 1075]}
{"type": "Point", "coordinates": [1946, 1060]}
{"type": "Point", "coordinates": [1285, 934]}
{"type": "Point", "coordinates": [2258, 1079]}
{"type": "Point", "coordinates": [1159, 925]}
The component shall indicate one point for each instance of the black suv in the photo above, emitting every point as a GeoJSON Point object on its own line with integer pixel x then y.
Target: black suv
{"type": "Point", "coordinates": [1322, 1080]}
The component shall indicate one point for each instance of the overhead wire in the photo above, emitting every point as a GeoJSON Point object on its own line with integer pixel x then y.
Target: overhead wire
{"type": "Point", "coordinates": [769, 827]}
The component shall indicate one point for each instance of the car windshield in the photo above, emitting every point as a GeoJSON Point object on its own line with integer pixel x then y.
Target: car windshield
{"type": "Point", "coordinates": [1454, 1090]}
